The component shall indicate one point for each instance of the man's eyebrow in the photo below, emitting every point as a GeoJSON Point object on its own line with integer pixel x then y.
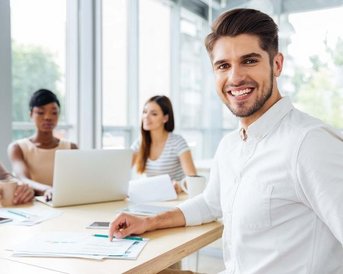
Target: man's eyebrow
{"type": "Point", "coordinates": [251, 55]}
{"type": "Point", "coordinates": [245, 56]}
{"type": "Point", "coordinates": [219, 62]}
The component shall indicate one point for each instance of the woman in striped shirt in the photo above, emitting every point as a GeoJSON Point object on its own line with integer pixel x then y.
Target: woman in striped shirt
{"type": "Point", "coordinates": [160, 151]}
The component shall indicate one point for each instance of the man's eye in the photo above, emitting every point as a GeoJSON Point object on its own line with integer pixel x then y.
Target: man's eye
{"type": "Point", "coordinates": [250, 61]}
{"type": "Point", "coordinates": [223, 66]}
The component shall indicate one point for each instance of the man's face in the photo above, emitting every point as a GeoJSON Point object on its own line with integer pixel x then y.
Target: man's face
{"type": "Point", "coordinates": [244, 75]}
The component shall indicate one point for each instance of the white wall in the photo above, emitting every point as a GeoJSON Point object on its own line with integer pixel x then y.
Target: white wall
{"type": "Point", "coordinates": [5, 81]}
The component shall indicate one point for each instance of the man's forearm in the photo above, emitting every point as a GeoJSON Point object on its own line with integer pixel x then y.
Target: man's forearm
{"type": "Point", "coordinates": [174, 218]}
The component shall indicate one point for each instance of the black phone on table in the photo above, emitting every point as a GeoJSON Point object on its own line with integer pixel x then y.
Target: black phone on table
{"type": "Point", "coordinates": [5, 220]}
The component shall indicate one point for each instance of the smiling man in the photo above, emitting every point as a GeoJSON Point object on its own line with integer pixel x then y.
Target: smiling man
{"type": "Point", "coordinates": [276, 182]}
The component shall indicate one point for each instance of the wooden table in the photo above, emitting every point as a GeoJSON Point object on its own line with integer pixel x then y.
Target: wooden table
{"type": "Point", "coordinates": [164, 248]}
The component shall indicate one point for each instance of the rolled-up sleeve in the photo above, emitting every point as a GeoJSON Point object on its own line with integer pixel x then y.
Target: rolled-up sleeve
{"type": "Point", "coordinates": [205, 207]}
{"type": "Point", "coordinates": [196, 211]}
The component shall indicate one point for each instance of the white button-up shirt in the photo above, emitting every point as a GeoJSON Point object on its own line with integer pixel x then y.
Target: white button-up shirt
{"type": "Point", "coordinates": [280, 194]}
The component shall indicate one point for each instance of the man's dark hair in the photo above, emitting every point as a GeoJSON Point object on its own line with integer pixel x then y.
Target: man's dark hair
{"type": "Point", "coordinates": [245, 21]}
{"type": "Point", "coordinates": [42, 97]}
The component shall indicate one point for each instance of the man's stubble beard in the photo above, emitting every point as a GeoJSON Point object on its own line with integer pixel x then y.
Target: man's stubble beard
{"type": "Point", "coordinates": [259, 103]}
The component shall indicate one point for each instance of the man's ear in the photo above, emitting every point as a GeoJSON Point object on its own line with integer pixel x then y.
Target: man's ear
{"type": "Point", "coordinates": [277, 64]}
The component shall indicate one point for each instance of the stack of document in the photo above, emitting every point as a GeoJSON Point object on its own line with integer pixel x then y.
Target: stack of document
{"type": "Point", "coordinates": [145, 209]}
{"type": "Point", "coordinates": [29, 216]}
{"type": "Point", "coordinates": [80, 245]}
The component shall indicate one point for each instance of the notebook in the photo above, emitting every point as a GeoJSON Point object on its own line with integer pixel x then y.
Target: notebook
{"type": "Point", "coordinates": [90, 176]}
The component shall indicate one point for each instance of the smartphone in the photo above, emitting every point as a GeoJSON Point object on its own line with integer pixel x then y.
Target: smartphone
{"type": "Point", "coordinates": [99, 225]}
{"type": "Point", "coordinates": [5, 220]}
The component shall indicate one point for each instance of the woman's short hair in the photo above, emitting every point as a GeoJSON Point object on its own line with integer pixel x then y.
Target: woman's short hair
{"type": "Point", "coordinates": [43, 97]}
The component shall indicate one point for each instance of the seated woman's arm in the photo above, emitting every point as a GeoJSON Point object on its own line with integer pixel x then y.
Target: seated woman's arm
{"type": "Point", "coordinates": [21, 170]}
{"type": "Point", "coordinates": [187, 163]}
{"type": "Point", "coordinates": [23, 193]}
{"type": "Point", "coordinates": [187, 166]}
{"type": "Point", "coordinates": [4, 174]}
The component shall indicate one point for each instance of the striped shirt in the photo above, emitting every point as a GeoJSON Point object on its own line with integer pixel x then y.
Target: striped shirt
{"type": "Point", "coordinates": [169, 160]}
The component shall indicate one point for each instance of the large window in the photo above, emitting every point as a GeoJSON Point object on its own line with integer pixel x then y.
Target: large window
{"type": "Point", "coordinates": [154, 49]}
{"type": "Point", "coordinates": [114, 73]}
{"type": "Point", "coordinates": [199, 107]}
{"type": "Point", "coordinates": [38, 30]}
{"type": "Point", "coordinates": [316, 60]}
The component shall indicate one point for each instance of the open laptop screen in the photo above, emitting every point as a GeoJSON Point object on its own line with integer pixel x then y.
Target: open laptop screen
{"type": "Point", "coordinates": [90, 176]}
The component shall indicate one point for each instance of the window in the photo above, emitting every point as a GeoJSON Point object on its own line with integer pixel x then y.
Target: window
{"type": "Point", "coordinates": [315, 57]}
{"type": "Point", "coordinates": [114, 73]}
{"type": "Point", "coordinates": [199, 106]}
{"type": "Point", "coordinates": [38, 30]}
{"type": "Point", "coordinates": [154, 49]}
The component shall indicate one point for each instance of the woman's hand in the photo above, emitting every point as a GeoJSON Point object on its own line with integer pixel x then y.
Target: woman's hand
{"type": "Point", "coordinates": [23, 194]}
{"type": "Point", "coordinates": [177, 187]}
{"type": "Point", "coordinates": [48, 194]}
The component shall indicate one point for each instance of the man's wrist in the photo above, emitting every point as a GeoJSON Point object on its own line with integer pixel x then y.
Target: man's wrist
{"type": "Point", "coordinates": [151, 223]}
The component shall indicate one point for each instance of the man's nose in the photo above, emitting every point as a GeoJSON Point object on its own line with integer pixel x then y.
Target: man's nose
{"type": "Point", "coordinates": [235, 75]}
{"type": "Point", "coordinates": [47, 116]}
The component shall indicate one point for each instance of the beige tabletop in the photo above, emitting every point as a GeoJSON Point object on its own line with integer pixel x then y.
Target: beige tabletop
{"type": "Point", "coordinates": [165, 247]}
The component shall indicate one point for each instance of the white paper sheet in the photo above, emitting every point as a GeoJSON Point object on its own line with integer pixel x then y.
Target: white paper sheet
{"type": "Point", "coordinates": [145, 209]}
{"type": "Point", "coordinates": [71, 244]}
{"type": "Point", "coordinates": [29, 216]}
{"type": "Point", "coordinates": [149, 189]}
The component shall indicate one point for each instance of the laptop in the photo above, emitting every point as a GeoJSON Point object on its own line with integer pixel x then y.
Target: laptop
{"type": "Point", "coordinates": [90, 176]}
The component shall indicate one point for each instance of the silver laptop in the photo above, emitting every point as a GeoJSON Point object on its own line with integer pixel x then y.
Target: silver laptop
{"type": "Point", "coordinates": [90, 176]}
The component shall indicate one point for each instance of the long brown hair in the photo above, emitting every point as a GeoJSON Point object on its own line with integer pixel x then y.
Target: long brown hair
{"type": "Point", "coordinates": [145, 145]}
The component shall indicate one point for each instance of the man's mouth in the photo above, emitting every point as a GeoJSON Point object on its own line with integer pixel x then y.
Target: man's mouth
{"type": "Point", "coordinates": [240, 92]}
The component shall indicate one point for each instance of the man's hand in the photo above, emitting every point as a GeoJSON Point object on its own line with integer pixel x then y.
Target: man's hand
{"type": "Point", "coordinates": [23, 194]}
{"type": "Point", "coordinates": [125, 224]}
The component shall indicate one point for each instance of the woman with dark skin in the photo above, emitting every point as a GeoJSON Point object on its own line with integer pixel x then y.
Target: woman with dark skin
{"type": "Point", "coordinates": [33, 158]}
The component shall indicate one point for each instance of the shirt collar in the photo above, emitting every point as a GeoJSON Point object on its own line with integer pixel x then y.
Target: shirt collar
{"type": "Point", "coordinates": [263, 125]}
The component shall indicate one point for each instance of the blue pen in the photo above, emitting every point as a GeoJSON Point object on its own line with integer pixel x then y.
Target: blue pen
{"type": "Point", "coordinates": [127, 238]}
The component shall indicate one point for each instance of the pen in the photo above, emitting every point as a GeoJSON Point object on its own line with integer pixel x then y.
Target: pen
{"type": "Point", "coordinates": [19, 213]}
{"type": "Point", "coordinates": [127, 238]}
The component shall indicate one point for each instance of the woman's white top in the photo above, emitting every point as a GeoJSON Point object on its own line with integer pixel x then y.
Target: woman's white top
{"type": "Point", "coordinates": [169, 160]}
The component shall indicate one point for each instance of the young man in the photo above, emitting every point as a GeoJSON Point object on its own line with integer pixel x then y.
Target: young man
{"type": "Point", "coordinates": [278, 181]}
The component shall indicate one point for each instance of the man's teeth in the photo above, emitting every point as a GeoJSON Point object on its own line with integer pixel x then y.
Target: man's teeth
{"type": "Point", "coordinates": [240, 92]}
